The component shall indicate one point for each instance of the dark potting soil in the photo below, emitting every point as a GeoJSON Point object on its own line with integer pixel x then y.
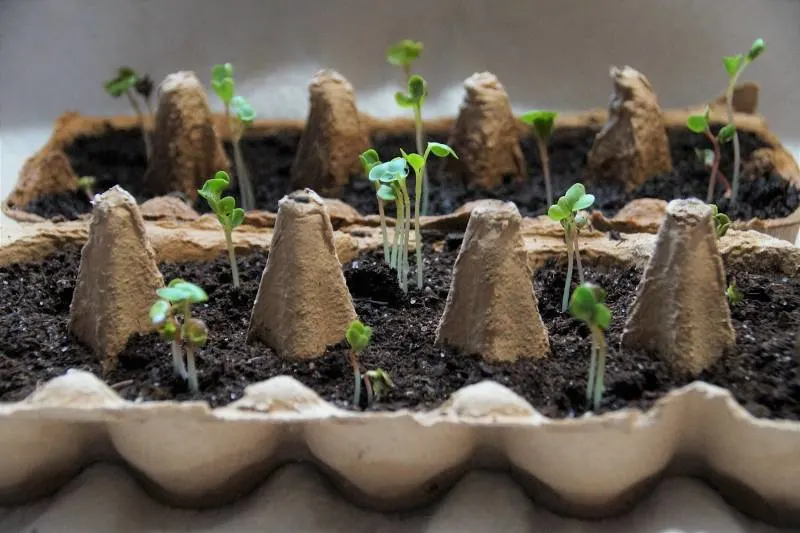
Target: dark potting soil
{"type": "Point", "coordinates": [117, 157]}
{"type": "Point", "coordinates": [761, 371]}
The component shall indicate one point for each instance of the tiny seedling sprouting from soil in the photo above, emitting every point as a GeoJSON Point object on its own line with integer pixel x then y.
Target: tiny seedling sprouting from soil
{"type": "Point", "coordinates": [171, 316]}
{"type": "Point", "coordinates": [733, 293]}
{"type": "Point", "coordinates": [378, 384]}
{"type": "Point", "coordinates": [542, 123]}
{"type": "Point", "coordinates": [588, 305]}
{"type": "Point", "coordinates": [358, 336]}
{"type": "Point", "coordinates": [127, 82]}
{"type": "Point", "coordinates": [228, 214]}
{"type": "Point", "coordinates": [721, 222]}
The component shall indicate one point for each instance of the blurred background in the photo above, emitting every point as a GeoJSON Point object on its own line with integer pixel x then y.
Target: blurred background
{"type": "Point", "coordinates": [55, 54]}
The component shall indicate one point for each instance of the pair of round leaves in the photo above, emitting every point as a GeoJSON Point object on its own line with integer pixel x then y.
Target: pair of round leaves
{"type": "Point", "coordinates": [573, 201]}
{"type": "Point", "coordinates": [735, 64]}
{"type": "Point", "coordinates": [222, 82]}
{"type": "Point", "coordinates": [403, 53]}
{"type": "Point", "coordinates": [225, 208]}
{"type": "Point", "coordinates": [701, 124]}
{"type": "Point", "coordinates": [542, 121]}
{"type": "Point", "coordinates": [125, 81]}
{"type": "Point", "coordinates": [390, 173]}
{"type": "Point", "coordinates": [358, 335]}
{"type": "Point", "coordinates": [722, 222]}
{"type": "Point", "coordinates": [587, 304]}
{"type": "Point", "coordinates": [177, 292]}
{"type": "Point", "coordinates": [417, 91]}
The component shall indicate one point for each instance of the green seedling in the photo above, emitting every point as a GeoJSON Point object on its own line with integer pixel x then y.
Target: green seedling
{"type": "Point", "coordinates": [86, 186]}
{"type": "Point", "coordinates": [391, 180]}
{"type": "Point", "coordinates": [171, 316]}
{"type": "Point", "coordinates": [567, 212]}
{"type": "Point", "coordinates": [126, 83]}
{"type": "Point", "coordinates": [378, 384]}
{"type": "Point", "coordinates": [403, 53]}
{"type": "Point", "coordinates": [239, 115]}
{"type": "Point", "coordinates": [721, 222]}
{"type": "Point", "coordinates": [542, 123]}
{"type": "Point", "coordinates": [358, 336]}
{"type": "Point", "coordinates": [418, 163]}
{"type": "Point", "coordinates": [700, 124]}
{"type": "Point", "coordinates": [588, 305]}
{"type": "Point", "coordinates": [370, 159]}
{"type": "Point", "coordinates": [733, 293]}
{"type": "Point", "coordinates": [414, 98]}
{"type": "Point", "coordinates": [228, 214]}
{"type": "Point", "coordinates": [734, 66]}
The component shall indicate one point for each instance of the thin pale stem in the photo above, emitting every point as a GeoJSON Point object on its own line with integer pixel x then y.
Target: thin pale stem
{"type": "Point", "coordinates": [577, 255]}
{"type": "Point", "coordinates": [592, 372]}
{"type": "Point", "coordinates": [232, 257]}
{"type": "Point", "coordinates": [736, 149]}
{"type": "Point", "coordinates": [148, 148]}
{"type": "Point", "coordinates": [568, 281]}
{"type": "Point", "coordinates": [714, 167]}
{"type": "Point", "coordinates": [194, 387]}
{"type": "Point", "coordinates": [417, 231]}
{"type": "Point", "coordinates": [406, 233]}
{"type": "Point", "coordinates": [384, 233]}
{"type": "Point", "coordinates": [399, 224]}
{"type": "Point", "coordinates": [177, 359]}
{"type": "Point", "coordinates": [394, 252]}
{"type": "Point", "coordinates": [599, 339]}
{"type": "Point", "coordinates": [545, 158]}
{"type": "Point", "coordinates": [356, 377]}
{"type": "Point", "coordinates": [245, 187]}
{"type": "Point", "coordinates": [425, 191]}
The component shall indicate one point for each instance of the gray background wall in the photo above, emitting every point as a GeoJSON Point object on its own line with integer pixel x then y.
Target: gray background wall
{"type": "Point", "coordinates": [54, 54]}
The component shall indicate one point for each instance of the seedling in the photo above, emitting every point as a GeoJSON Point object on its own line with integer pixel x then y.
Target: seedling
{"type": "Point", "coordinates": [721, 221]}
{"type": "Point", "coordinates": [414, 98]}
{"type": "Point", "coordinates": [588, 305]}
{"type": "Point", "coordinates": [391, 180]}
{"type": "Point", "coordinates": [171, 316]}
{"type": "Point", "coordinates": [86, 185]}
{"type": "Point", "coordinates": [370, 159]}
{"type": "Point", "coordinates": [403, 53]}
{"type": "Point", "coordinates": [542, 123]}
{"type": "Point", "coordinates": [708, 158]}
{"type": "Point", "coordinates": [378, 384]}
{"type": "Point", "coordinates": [734, 66]}
{"type": "Point", "coordinates": [228, 214]}
{"type": "Point", "coordinates": [700, 124]}
{"type": "Point", "coordinates": [733, 293]}
{"type": "Point", "coordinates": [358, 336]}
{"type": "Point", "coordinates": [418, 163]}
{"type": "Point", "coordinates": [566, 211]}
{"type": "Point", "coordinates": [239, 115]}
{"type": "Point", "coordinates": [126, 82]}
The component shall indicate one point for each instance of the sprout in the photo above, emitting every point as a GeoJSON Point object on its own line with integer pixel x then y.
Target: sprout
{"type": "Point", "coordinates": [418, 163]}
{"type": "Point", "coordinates": [566, 211]}
{"type": "Point", "coordinates": [86, 185]}
{"type": "Point", "coordinates": [369, 159]}
{"type": "Point", "coordinates": [403, 54]}
{"type": "Point", "coordinates": [358, 336]}
{"type": "Point", "coordinates": [734, 66]}
{"type": "Point", "coordinates": [733, 293]}
{"type": "Point", "coordinates": [239, 115]}
{"type": "Point", "coordinates": [700, 124]}
{"type": "Point", "coordinates": [721, 221]}
{"type": "Point", "coordinates": [587, 305]}
{"type": "Point", "coordinates": [171, 316]}
{"type": "Point", "coordinates": [378, 383]}
{"type": "Point", "coordinates": [542, 123]}
{"type": "Point", "coordinates": [227, 213]}
{"type": "Point", "coordinates": [390, 178]}
{"type": "Point", "coordinates": [126, 82]}
{"type": "Point", "coordinates": [414, 98]}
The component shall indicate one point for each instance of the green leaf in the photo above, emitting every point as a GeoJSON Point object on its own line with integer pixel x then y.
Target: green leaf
{"type": "Point", "coordinates": [557, 213]}
{"type": "Point", "coordinates": [564, 204]}
{"type": "Point", "coordinates": [124, 81]}
{"type": "Point", "coordinates": [358, 335]}
{"type": "Point", "coordinates": [404, 52]}
{"type": "Point", "coordinates": [756, 49]}
{"type": "Point", "coordinates": [417, 88]}
{"type": "Point", "coordinates": [415, 160]}
{"type": "Point", "coordinates": [171, 294]}
{"type": "Point", "coordinates": [441, 150]}
{"type": "Point", "coordinates": [169, 330]}
{"type": "Point", "coordinates": [584, 202]}
{"type": "Point", "coordinates": [582, 303]}
{"type": "Point", "coordinates": [404, 100]}
{"type": "Point", "coordinates": [243, 110]}
{"type": "Point", "coordinates": [574, 194]}
{"type": "Point", "coordinates": [386, 193]}
{"type": "Point", "coordinates": [697, 123]}
{"type": "Point", "coordinates": [732, 64]}
{"type": "Point", "coordinates": [159, 312]}
{"type": "Point", "coordinates": [219, 72]}
{"type": "Point", "coordinates": [195, 331]}
{"type": "Point", "coordinates": [215, 186]}
{"type": "Point", "coordinates": [227, 205]}
{"type": "Point", "coordinates": [714, 209]}
{"type": "Point", "coordinates": [397, 167]}
{"type": "Point", "coordinates": [726, 133]}
{"type": "Point", "coordinates": [237, 217]}
{"type": "Point", "coordinates": [369, 159]}
{"type": "Point", "coordinates": [542, 121]}
{"type": "Point", "coordinates": [179, 290]}
{"type": "Point", "coordinates": [602, 316]}
{"type": "Point", "coordinates": [224, 88]}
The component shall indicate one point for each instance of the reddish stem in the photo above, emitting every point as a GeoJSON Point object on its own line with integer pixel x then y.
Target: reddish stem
{"type": "Point", "coordinates": [714, 166]}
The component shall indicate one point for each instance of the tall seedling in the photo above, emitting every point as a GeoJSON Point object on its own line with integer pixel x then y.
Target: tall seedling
{"type": "Point", "coordinates": [700, 124]}
{"type": "Point", "coordinates": [588, 305]}
{"type": "Point", "coordinates": [414, 98]}
{"type": "Point", "coordinates": [228, 214]}
{"type": "Point", "coordinates": [370, 159]}
{"type": "Point", "coordinates": [391, 180]}
{"type": "Point", "coordinates": [128, 82]}
{"type": "Point", "coordinates": [542, 123]}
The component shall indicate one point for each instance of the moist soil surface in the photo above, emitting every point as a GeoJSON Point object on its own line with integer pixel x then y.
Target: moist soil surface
{"type": "Point", "coordinates": [117, 157]}
{"type": "Point", "coordinates": [35, 346]}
